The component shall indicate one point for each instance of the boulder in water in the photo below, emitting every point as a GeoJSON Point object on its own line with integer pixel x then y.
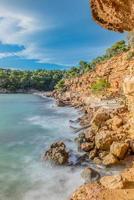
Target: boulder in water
{"type": "Point", "coordinates": [57, 153]}
{"type": "Point", "coordinates": [90, 175]}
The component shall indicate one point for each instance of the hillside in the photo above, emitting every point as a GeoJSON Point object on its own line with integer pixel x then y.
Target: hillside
{"type": "Point", "coordinates": [113, 71]}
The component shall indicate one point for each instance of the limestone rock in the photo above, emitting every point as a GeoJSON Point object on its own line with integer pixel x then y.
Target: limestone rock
{"type": "Point", "coordinates": [110, 160]}
{"type": "Point", "coordinates": [103, 140]}
{"type": "Point", "coordinates": [57, 153]}
{"type": "Point", "coordinates": [119, 149]}
{"type": "Point", "coordinates": [113, 182]}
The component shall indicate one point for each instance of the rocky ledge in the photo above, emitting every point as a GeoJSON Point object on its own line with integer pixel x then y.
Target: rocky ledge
{"type": "Point", "coordinates": [119, 187]}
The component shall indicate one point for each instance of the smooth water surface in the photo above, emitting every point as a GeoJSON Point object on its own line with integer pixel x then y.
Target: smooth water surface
{"type": "Point", "coordinates": [28, 125]}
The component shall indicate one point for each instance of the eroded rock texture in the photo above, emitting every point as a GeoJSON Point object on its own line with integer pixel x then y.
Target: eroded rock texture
{"type": "Point", "coordinates": [116, 15]}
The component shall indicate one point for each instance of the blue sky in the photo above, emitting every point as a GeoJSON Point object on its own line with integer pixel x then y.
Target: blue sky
{"type": "Point", "coordinates": [53, 34]}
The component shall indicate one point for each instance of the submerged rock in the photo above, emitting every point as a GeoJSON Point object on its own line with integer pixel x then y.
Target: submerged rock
{"type": "Point", "coordinates": [90, 175]}
{"type": "Point", "coordinates": [57, 153]}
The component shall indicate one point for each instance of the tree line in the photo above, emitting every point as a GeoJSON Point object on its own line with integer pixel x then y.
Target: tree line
{"type": "Point", "coordinates": [14, 80]}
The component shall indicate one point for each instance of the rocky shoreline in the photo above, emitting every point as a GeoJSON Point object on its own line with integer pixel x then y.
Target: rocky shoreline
{"type": "Point", "coordinates": [103, 136]}
{"type": "Point", "coordinates": [106, 142]}
{"type": "Point", "coordinates": [106, 136]}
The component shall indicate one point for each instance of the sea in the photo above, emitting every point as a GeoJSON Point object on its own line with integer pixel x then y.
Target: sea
{"type": "Point", "coordinates": [29, 124]}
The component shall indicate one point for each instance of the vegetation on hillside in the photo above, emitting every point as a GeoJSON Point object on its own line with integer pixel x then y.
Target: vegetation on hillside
{"type": "Point", "coordinates": [100, 85]}
{"type": "Point", "coordinates": [60, 86]}
{"type": "Point", "coordinates": [84, 67]}
{"type": "Point", "coordinates": [47, 80]}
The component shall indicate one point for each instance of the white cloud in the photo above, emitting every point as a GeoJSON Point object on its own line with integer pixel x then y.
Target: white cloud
{"type": "Point", "coordinates": [15, 27]}
{"type": "Point", "coordinates": [33, 51]}
{"type": "Point", "coordinates": [7, 54]}
{"type": "Point", "coordinates": [18, 28]}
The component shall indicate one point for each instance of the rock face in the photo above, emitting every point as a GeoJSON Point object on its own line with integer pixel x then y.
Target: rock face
{"type": "Point", "coordinates": [57, 154]}
{"type": "Point", "coordinates": [119, 149]}
{"type": "Point", "coordinates": [116, 15]}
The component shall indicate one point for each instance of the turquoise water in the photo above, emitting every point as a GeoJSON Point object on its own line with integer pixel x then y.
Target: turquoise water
{"type": "Point", "coordinates": [28, 125]}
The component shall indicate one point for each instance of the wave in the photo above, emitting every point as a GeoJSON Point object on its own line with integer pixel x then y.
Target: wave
{"type": "Point", "coordinates": [52, 183]}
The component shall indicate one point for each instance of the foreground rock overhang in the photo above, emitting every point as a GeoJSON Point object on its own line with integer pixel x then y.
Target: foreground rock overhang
{"type": "Point", "coordinates": [115, 15]}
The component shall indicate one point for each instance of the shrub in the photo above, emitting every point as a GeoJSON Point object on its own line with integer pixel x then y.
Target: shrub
{"type": "Point", "coordinates": [72, 73]}
{"type": "Point", "coordinates": [60, 86]}
{"type": "Point", "coordinates": [100, 85]}
{"type": "Point", "coordinates": [117, 48]}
